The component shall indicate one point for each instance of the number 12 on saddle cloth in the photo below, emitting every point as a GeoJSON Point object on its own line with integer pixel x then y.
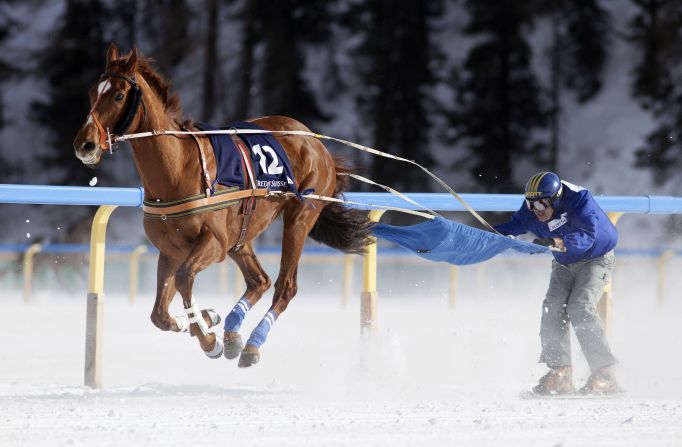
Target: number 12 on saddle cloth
{"type": "Point", "coordinates": [271, 166]}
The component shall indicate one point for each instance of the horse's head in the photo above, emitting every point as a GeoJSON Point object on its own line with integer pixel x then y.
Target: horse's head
{"type": "Point", "coordinates": [114, 104]}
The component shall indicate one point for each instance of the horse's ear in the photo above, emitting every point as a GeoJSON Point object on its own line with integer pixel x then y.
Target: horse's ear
{"type": "Point", "coordinates": [133, 57]}
{"type": "Point", "coordinates": [112, 53]}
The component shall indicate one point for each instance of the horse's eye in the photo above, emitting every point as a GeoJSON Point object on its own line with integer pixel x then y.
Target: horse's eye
{"type": "Point", "coordinates": [119, 96]}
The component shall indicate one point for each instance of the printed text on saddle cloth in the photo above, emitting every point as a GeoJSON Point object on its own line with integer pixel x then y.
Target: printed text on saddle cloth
{"type": "Point", "coordinates": [270, 163]}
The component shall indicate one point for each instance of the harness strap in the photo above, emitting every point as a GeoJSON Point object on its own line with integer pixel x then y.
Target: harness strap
{"type": "Point", "coordinates": [103, 133]}
{"type": "Point", "coordinates": [361, 205]}
{"type": "Point", "coordinates": [389, 189]}
{"type": "Point", "coordinates": [204, 167]}
{"type": "Point", "coordinates": [322, 137]}
{"type": "Point", "coordinates": [166, 210]}
{"type": "Point", "coordinates": [249, 203]}
{"type": "Point", "coordinates": [246, 159]}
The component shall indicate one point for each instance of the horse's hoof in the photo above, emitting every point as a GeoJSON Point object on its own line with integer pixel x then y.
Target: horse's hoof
{"type": "Point", "coordinates": [249, 357]}
{"type": "Point", "coordinates": [212, 315]}
{"type": "Point", "coordinates": [216, 351]}
{"type": "Point", "coordinates": [233, 345]}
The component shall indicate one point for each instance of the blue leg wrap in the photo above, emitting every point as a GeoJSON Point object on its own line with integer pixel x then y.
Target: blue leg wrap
{"type": "Point", "coordinates": [234, 320]}
{"type": "Point", "coordinates": [260, 333]}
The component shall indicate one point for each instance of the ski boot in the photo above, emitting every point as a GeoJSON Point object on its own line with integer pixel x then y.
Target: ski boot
{"type": "Point", "coordinates": [556, 381]}
{"type": "Point", "coordinates": [601, 382]}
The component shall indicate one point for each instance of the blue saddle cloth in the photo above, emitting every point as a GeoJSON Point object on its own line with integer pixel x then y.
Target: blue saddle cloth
{"type": "Point", "coordinates": [444, 240]}
{"type": "Point", "coordinates": [270, 162]}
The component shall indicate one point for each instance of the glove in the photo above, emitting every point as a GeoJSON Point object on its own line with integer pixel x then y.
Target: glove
{"type": "Point", "coordinates": [544, 241]}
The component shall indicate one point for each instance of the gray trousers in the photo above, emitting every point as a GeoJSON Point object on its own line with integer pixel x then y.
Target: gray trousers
{"type": "Point", "coordinates": [572, 297]}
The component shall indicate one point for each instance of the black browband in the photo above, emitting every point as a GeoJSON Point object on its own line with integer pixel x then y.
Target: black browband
{"type": "Point", "coordinates": [131, 107]}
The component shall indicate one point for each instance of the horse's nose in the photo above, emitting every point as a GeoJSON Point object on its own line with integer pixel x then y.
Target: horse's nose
{"type": "Point", "coordinates": [87, 146]}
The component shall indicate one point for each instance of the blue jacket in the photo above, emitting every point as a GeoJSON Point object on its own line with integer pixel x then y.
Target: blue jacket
{"type": "Point", "coordinates": [584, 227]}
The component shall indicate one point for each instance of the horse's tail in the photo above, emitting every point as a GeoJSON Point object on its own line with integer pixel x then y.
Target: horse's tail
{"type": "Point", "coordinates": [340, 227]}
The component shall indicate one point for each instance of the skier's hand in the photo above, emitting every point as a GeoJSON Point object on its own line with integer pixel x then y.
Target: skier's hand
{"type": "Point", "coordinates": [545, 241]}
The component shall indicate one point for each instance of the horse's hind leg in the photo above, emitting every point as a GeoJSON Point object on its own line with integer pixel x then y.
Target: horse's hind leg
{"type": "Point", "coordinates": [205, 253]}
{"type": "Point", "coordinates": [257, 282]}
{"type": "Point", "coordinates": [298, 221]}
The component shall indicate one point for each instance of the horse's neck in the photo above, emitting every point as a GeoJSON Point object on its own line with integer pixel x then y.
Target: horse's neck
{"type": "Point", "coordinates": [169, 167]}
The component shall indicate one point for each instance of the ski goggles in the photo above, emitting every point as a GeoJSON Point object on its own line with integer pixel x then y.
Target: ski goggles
{"type": "Point", "coordinates": [539, 204]}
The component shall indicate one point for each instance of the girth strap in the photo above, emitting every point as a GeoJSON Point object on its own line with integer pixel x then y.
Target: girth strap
{"type": "Point", "coordinates": [163, 210]}
{"type": "Point", "coordinates": [249, 203]}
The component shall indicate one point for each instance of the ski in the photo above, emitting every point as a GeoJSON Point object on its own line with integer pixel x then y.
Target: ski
{"type": "Point", "coordinates": [528, 395]}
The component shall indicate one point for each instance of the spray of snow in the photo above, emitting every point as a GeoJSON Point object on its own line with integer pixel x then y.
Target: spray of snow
{"type": "Point", "coordinates": [428, 375]}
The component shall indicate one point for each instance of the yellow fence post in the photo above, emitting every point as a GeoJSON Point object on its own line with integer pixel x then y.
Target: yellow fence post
{"type": "Point", "coordinates": [605, 305]}
{"type": "Point", "coordinates": [28, 269]}
{"type": "Point", "coordinates": [348, 264]}
{"type": "Point", "coordinates": [368, 298]}
{"type": "Point", "coordinates": [452, 295]}
{"type": "Point", "coordinates": [662, 261]}
{"type": "Point", "coordinates": [95, 300]}
{"type": "Point", "coordinates": [134, 274]}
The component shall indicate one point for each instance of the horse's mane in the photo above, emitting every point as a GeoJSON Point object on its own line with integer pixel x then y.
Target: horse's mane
{"type": "Point", "coordinates": [162, 88]}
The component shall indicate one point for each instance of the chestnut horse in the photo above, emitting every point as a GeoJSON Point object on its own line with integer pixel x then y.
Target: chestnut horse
{"type": "Point", "coordinates": [131, 96]}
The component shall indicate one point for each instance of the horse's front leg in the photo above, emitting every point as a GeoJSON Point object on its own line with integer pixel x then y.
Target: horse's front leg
{"type": "Point", "coordinates": [297, 225]}
{"type": "Point", "coordinates": [257, 282]}
{"type": "Point", "coordinates": [206, 251]}
{"type": "Point", "coordinates": [165, 291]}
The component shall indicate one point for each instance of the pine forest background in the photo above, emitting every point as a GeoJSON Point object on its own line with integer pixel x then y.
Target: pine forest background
{"type": "Point", "coordinates": [483, 92]}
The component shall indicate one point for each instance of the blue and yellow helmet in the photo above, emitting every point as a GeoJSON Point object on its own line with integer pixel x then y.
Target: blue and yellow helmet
{"type": "Point", "coordinates": [544, 185]}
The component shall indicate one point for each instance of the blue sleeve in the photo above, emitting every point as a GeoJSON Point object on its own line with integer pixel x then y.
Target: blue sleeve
{"type": "Point", "coordinates": [584, 220]}
{"type": "Point", "coordinates": [515, 226]}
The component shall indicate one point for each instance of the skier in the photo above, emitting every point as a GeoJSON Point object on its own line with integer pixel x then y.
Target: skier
{"type": "Point", "coordinates": [567, 217]}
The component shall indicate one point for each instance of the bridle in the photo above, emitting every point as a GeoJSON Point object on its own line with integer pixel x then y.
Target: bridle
{"type": "Point", "coordinates": [109, 142]}
{"type": "Point", "coordinates": [126, 119]}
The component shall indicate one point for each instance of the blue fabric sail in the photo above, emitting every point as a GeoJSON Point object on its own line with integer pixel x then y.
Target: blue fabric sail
{"type": "Point", "coordinates": [440, 239]}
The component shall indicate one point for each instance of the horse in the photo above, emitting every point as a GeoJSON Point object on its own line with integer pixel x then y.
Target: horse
{"type": "Point", "coordinates": [131, 96]}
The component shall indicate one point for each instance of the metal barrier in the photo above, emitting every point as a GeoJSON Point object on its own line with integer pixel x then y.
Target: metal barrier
{"type": "Point", "coordinates": [110, 198]}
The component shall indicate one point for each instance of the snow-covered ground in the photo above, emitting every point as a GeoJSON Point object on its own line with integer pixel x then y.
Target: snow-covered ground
{"type": "Point", "coordinates": [429, 376]}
